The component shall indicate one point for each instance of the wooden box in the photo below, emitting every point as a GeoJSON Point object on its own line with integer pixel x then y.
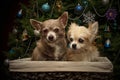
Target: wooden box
{"type": "Point", "coordinates": [25, 69]}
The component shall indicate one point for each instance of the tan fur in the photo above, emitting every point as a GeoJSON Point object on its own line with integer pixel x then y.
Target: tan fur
{"type": "Point", "coordinates": [53, 49]}
{"type": "Point", "coordinates": [85, 51]}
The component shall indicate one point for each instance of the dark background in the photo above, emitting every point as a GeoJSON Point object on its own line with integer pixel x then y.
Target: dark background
{"type": "Point", "coordinates": [8, 10]}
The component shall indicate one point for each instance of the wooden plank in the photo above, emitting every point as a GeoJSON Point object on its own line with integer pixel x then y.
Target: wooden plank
{"type": "Point", "coordinates": [25, 65]}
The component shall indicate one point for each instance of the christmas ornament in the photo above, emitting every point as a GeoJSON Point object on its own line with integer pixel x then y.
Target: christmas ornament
{"type": "Point", "coordinates": [78, 8]}
{"type": "Point", "coordinates": [88, 17]}
{"type": "Point", "coordinates": [85, 2]}
{"type": "Point", "coordinates": [25, 35]}
{"type": "Point", "coordinates": [107, 43]}
{"type": "Point", "coordinates": [59, 5]}
{"type": "Point", "coordinates": [14, 30]}
{"type": "Point", "coordinates": [107, 28]}
{"type": "Point", "coordinates": [11, 51]}
{"type": "Point", "coordinates": [36, 32]}
{"type": "Point", "coordinates": [46, 7]}
{"type": "Point", "coordinates": [105, 2]}
{"type": "Point", "coordinates": [111, 14]}
{"type": "Point", "coordinates": [6, 62]}
{"type": "Point", "coordinates": [19, 14]}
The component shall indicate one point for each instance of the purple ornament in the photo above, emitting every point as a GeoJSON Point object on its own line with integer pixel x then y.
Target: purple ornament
{"type": "Point", "coordinates": [111, 14]}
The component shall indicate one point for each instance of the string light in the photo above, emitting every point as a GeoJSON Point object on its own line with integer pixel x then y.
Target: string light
{"type": "Point", "coordinates": [97, 12]}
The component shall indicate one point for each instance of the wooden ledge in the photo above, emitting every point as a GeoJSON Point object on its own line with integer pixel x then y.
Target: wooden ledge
{"type": "Point", "coordinates": [26, 65]}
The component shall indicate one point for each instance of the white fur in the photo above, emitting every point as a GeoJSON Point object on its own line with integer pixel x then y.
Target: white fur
{"type": "Point", "coordinates": [78, 45]}
{"type": "Point", "coordinates": [77, 32]}
{"type": "Point", "coordinates": [53, 34]}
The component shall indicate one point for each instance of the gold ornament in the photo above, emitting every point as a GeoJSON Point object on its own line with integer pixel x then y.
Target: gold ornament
{"type": "Point", "coordinates": [59, 5]}
{"type": "Point", "coordinates": [25, 35]}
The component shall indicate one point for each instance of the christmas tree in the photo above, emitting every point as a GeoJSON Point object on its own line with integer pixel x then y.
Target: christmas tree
{"type": "Point", "coordinates": [23, 38]}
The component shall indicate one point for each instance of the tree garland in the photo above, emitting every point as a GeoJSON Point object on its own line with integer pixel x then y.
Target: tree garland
{"type": "Point", "coordinates": [94, 10]}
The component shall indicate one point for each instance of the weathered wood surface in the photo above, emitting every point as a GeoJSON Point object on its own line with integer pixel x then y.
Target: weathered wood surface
{"type": "Point", "coordinates": [26, 65]}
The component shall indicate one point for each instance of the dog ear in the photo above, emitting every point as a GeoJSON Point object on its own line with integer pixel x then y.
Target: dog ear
{"type": "Point", "coordinates": [64, 19]}
{"type": "Point", "coordinates": [36, 24]}
{"type": "Point", "coordinates": [93, 29]}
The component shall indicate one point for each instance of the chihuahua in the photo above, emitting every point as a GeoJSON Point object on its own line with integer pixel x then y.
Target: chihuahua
{"type": "Point", "coordinates": [81, 42]}
{"type": "Point", "coordinates": [52, 43]}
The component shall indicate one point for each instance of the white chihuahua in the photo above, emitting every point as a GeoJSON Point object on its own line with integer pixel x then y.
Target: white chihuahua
{"type": "Point", "coordinates": [81, 42]}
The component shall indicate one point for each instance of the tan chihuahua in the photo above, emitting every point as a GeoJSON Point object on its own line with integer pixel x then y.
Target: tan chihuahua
{"type": "Point", "coordinates": [52, 43]}
{"type": "Point", "coordinates": [81, 42]}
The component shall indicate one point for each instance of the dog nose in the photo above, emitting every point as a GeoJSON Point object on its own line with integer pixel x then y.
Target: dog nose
{"type": "Point", "coordinates": [51, 38]}
{"type": "Point", "coordinates": [74, 46]}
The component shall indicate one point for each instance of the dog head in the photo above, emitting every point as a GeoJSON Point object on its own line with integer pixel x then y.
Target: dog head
{"type": "Point", "coordinates": [80, 36]}
{"type": "Point", "coordinates": [52, 29]}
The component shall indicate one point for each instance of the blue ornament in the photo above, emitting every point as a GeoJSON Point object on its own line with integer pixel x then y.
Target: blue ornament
{"type": "Point", "coordinates": [45, 7]}
{"type": "Point", "coordinates": [107, 43]}
{"type": "Point", "coordinates": [11, 51]}
{"type": "Point", "coordinates": [78, 8]}
{"type": "Point", "coordinates": [19, 14]}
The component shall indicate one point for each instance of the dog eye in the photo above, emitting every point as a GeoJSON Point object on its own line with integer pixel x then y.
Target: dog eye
{"type": "Point", "coordinates": [45, 30]}
{"type": "Point", "coordinates": [81, 40]}
{"type": "Point", "coordinates": [71, 39]}
{"type": "Point", "coordinates": [56, 30]}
